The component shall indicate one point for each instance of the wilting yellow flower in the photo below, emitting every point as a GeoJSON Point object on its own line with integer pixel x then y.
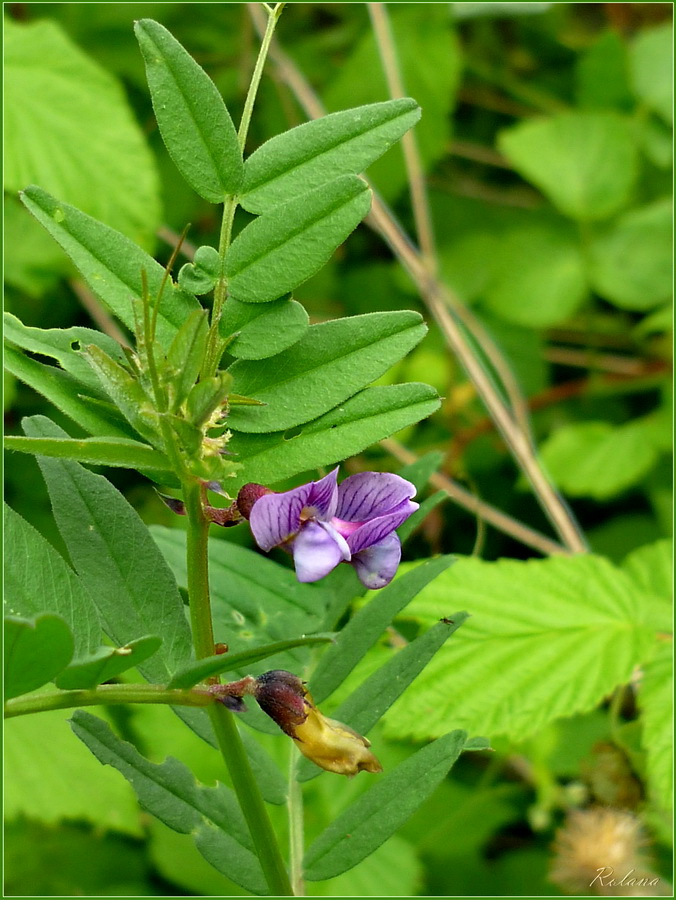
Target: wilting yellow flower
{"type": "Point", "coordinates": [329, 744]}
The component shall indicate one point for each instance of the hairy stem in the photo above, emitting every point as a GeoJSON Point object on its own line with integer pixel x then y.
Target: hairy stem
{"type": "Point", "coordinates": [104, 695]}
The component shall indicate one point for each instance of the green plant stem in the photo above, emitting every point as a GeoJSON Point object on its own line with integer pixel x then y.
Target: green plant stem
{"type": "Point", "coordinates": [251, 801]}
{"type": "Point", "coordinates": [296, 831]}
{"type": "Point", "coordinates": [198, 570]}
{"type": "Point", "coordinates": [104, 695]}
{"type": "Point", "coordinates": [215, 344]}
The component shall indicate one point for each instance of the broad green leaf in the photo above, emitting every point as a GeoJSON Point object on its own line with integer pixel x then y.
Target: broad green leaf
{"type": "Point", "coordinates": [369, 702]}
{"type": "Point", "coordinates": [597, 459]}
{"type": "Point", "coordinates": [545, 639]}
{"type": "Point", "coordinates": [602, 73]}
{"type": "Point", "coordinates": [38, 580]}
{"type": "Point", "coordinates": [35, 651]}
{"type": "Point", "coordinates": [364, 628]}
{"type": "Point", "coordinates": [170, 792]}
{"type": "Point", "coordinates": [67, 394]}
{"type": "Point", "coordinates": [189, 675]}
{"type": "Point", "coordinates": [538, 276]}
{"type": "Point", "coordinates": [656, 701]}
{"type": "Point", "coordinates": [430, 60]}
{"type": "Point", "coordinates": [106, 663]}
{"type": "Point", "coordinates": [393, 870]}
{"type": "Point", "coordinates": [194, 122]}
{"type": "Point", "coordinates": [584, 162]}
{"type": "Point", "coordinates": [370, 416]}
{"type": "Point", "coordinates": [94, 450]}
{"type": "Point", "coordinates": [631, 265]}
{"type": "Point", "coordinates": [70, 128]}
{"type": "Point", "coordinates": [652, 72]}
{"type": "Point", "coordinates": [116, 559]}
{"type": "Point", "coordinates": [51, 776]}
{"type": "Point", "coordinates": [263, 331]}
{"type": "Point", "coordinates": [312, 154]}
{"type": "Point", "coordinates": [651, 567]}
{"type": "Point", "coordinates": [64, 345]}
{"type": "Point", "coordinates": [415, 521]}
{"type": "Point", "coordinates": [282, 249]}
{"type": "Point", "coordinates": [384, 808]}
{"type": "Point", "coordinates": [110, 263]}
{"type": "Point", "coordinates": [330, 363]}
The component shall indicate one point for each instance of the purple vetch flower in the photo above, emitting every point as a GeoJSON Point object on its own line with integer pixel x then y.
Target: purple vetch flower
{"type": "Point", "coordinates": [324, 523]}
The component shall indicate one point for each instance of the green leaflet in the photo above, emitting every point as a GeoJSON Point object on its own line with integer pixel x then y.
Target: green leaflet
{"type": "Point", "coordinates": [370, 416]}
{"type": "Point", "coordinates": [38, 580]}
{"type": "Point", "coordinates": [170, 792]}
{"type": "Point", "coordinates": [263, 331]}
{"type": "Point", "coordinates": [116, 559]}
{"type": "Point", "coordinates": [64, 345]}
{"type": "Point", "coordinates": [385, 806]}
{"type": "Point", "coordinates": [563, 633]}
{"type": "Point", "coordinates": [365, 706]}
{"type": "Point", "coordinates": [584, 162]}
{"type": "Point", "coordinates": [105, 663]}
{"type": "Point", "coordinates": [110, 263]}
{"type": "Point", "coordinates": [35, 651]}
{"type": "Point", "coordinates": [189, 675]}
{"type": "Point", "coordinates": [282, 249]}
{"type": "Point", "coordinates": [313, 153]}
{"type": "Point", "coordinates": [329, 364]}
{"type": "Point", "coordinates": [94, 450]}
{"type": "Point", "coordinates": [67, 394]}
{"type": "Point", "coordinates": [651, 69]}
{"type": "Point", "coordinates": [194, 122]}
{"type": "Point", "coordinates": [364, 628]}
{"type": "Point", "coordinates": [656, 700]}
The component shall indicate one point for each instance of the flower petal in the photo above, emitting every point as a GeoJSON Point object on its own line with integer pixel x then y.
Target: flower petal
{"type": "Point", "coordinates": [375, 530]}
{"type": "Point", "coordinates": [377, 565]}
{"type": "Point", "coordinates": [316, 551]}
{"type": "Point", "coordinates": [276, 517]}
{"type": "Point", "coordinates": [370, 494]}
{"type": "Point", "coordinates": [323, 498]}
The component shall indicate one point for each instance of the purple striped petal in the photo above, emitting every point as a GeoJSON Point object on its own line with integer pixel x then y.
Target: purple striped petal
{"type": "Point", "coordinates": [370, 494]}
{"type": "Point", "coordinates": [276, 517]}
{"type": "Point", "coordinates": [316, 551]}
{"type": "Point", "coordinates": [377, 565]}
{"type": "Point", "coordinates": [376, 530]}
{"type": "Point", "coordinates": [323, 498]}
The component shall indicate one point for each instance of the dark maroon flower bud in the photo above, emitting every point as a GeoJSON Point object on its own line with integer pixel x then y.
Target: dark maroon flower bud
{"type": "Point", "coordinates": [174, 504]}
{"type": "Point", "coordinates": [281, 696]}
{"type": "Point", "coordinates": [248, 495]}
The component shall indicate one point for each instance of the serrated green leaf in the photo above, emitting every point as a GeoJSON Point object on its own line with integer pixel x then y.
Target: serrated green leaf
{"type": "Point", "coordinates": [110, 263]}
{"type": "Point", "coordinates": [656, 701]}
{"type": "Point", "coordinates": [106, 663]}
{"type": "Point", "coordinates": [630, 265]}
{"type": "Point", "coordinates": [67, 394]}
{"type": "Point", "coordinates": [584, 162]}
{"type": "Point", "coordinates": [94, 450]}
{"type": "Point", "coordinates": [366, 706]}
{"type": "Point", "coordinates": [263, 331]}
{"type": "Point", "coordinates": [597, 459]}
{"type": "Point", "coordinates": [415, 521]}
{"type": "Point", "coordinates": [64, 345]}
{"type": "Point", "coordinates": [170, 792]}
{"type": "Point", "coordinates": [546, 639]}
{"type": "Point", "coordinates": [370, 416]}
{"type": "Point", "coordinates": [38, 580]}
{"type": "Point", "coordinates": [35, 651]}
{"type": "Point", "coordinates": [116, 559]}
{"type": "Point", "coordinates": [651, 68]}
{"type": "Point", "coordinates": [282, 249]}
{"type": "Point", "coordinates": [651, 567]}
{"type": "Point", "coordinates": [186, 355]}
{"type": "Point", "coordinates": [329, 364]}
{"type": "Point", "coordinates": [195, 125]}
{"type": "Point", "coordinates": [70, 128]}
{"type": "Point", "coordinates": [378, 813]}
{"type": "Point", "coordinates": [311, 154]}
{"type": "Point", "coordinates": [189, 675]}
{"type": "Point", "coordinates": [364, 628]}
